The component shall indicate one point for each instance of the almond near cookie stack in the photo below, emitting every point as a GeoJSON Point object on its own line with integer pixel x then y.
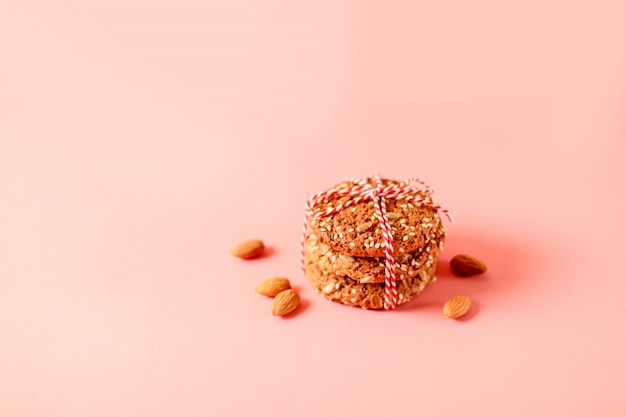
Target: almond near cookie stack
{"type": "Point", "coordinates": [372, 242]}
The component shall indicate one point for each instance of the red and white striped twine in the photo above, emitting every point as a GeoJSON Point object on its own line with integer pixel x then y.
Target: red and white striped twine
{"type": "Point", "coordinates": [360, 191]}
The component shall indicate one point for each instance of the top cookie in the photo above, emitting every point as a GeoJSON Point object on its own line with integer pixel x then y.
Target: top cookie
{"type": "Point", "coordinates": [355, 230]}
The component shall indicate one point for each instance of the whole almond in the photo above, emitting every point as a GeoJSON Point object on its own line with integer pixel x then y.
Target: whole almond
{"type": "Point", "coordinates": [248, 249]}
{"type": "Point", "coordinates": [285, 302]}
{"type": "Point", "coordinates": [272, 286]}
{"type": "Point", "coordinates": [376, 301]}
{"type": "Point", "coordinates": [456, 306]}
{"type": "Point", "coordinates": [465, 265]}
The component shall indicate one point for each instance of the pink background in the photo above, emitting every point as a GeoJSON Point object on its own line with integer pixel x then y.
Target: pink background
{"type": "Point", "coordinates": [140, 140]}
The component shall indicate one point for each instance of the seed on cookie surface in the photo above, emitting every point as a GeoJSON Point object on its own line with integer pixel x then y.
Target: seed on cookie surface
{"type": "Point", "coordinates": [393, 216]}
{"type": "Point", "coordinates": [376, 301]}
{"type": "Point", "coordinates": [363, 227]}
{"type": "Point", "coordinates": [329, 288]}
{"type": "Point", "coordinates": [347, 258]}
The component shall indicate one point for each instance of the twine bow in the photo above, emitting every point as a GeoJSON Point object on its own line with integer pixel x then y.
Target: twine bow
{"type": "Point", "coordinates": [363, 190]}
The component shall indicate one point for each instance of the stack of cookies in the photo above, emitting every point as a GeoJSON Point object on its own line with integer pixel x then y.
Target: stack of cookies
{"type": "Point", "coordinates": [344, 252]}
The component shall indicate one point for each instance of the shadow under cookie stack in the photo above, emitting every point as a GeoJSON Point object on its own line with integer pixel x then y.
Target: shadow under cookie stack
{"type": "Point", "coordinates": [344, 245]}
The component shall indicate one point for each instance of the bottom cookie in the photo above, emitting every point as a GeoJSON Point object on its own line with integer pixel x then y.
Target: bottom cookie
{"type": "Point", "coordinates": [344, 290]}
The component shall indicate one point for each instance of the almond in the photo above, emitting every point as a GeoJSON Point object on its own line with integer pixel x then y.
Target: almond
{"type": "Point", "coordinates": [347, 258]}
{"type": "Point", "coordinates": [248, 249]}
{"type": "Point", "coordinates": [376, 301]}
{"type": "Point", "coordinates": [330, 287]}
{"type": "Point", "coordinates": [285, 302]}
{"type": "Point", "coordinates": [456, 306]}
{"type": "Point", "coordinates": [364, 226]}
{"type": "Point", "coordinates": [272, 286]}
{"type": "Point", "coordinates": [465, 265]}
